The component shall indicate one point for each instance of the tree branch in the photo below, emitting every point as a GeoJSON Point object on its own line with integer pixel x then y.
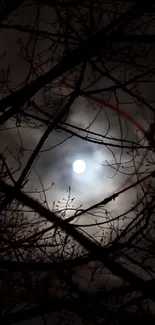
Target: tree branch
{"type": "Point", "coordinates": [85, 51]}
{"type": "Point", "coordinates": [99, 253]}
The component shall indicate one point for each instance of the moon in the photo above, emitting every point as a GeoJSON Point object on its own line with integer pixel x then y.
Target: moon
{"type": "Point", "coordinates": [79, 166]}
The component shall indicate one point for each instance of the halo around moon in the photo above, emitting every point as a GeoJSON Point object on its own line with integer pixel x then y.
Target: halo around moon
{"type": "Point", "coordinates": [79, 166]}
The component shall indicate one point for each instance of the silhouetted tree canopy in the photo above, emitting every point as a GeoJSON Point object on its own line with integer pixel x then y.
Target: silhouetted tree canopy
{"type": "Point", "coordinates": [77, 81]}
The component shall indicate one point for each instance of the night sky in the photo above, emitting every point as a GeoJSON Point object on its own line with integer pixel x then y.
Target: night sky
{"type": "Point", "coordinates": [106, 137]}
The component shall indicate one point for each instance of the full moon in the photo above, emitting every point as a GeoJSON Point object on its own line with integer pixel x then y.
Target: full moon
{"type": "Point", "coordinates": [79, 166]}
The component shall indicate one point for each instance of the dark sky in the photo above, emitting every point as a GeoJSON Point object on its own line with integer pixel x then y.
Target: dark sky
{"type": "Point", "coordinates": [108, 166]}
{"type": "Point", "coordinates": [55, 165]}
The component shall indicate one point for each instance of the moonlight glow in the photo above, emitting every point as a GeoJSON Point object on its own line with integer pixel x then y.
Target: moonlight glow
{"type": "Point", "coordinates": [79, 166]}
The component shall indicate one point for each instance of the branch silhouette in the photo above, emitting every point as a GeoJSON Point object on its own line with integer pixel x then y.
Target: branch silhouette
{"type": "Point", "coordinates": [115, 267]}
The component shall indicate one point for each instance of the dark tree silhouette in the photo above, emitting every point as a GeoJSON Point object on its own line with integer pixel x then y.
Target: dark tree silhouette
{"type": "Point", "coordinates": [77, 76]}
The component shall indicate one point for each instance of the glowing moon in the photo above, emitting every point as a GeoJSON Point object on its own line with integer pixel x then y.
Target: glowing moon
{"type": "Point", "coordinates": [79, 166]}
